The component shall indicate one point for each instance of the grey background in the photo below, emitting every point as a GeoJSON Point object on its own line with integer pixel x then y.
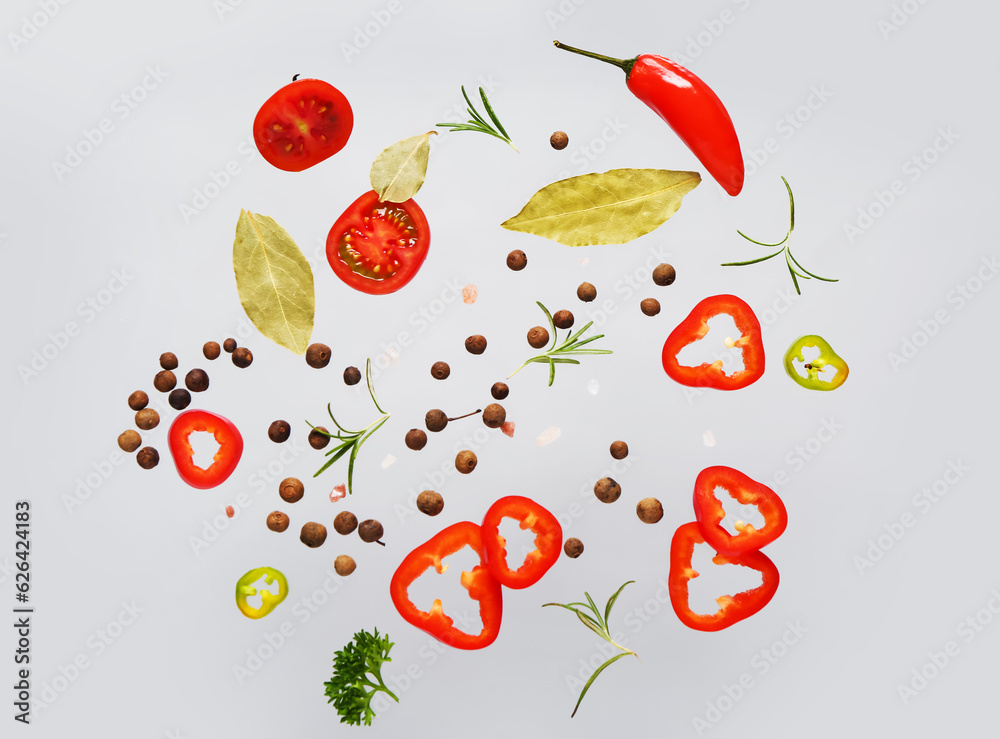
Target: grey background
{"type": "Point", "coordinates": [893, 76]}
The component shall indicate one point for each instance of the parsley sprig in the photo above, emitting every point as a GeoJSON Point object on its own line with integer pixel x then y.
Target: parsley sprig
{"type": "Point", "coordinates": [478, 122]}
{"type": "Point", "coordinates": [348, 690]}
{"type": "Point", "coordinates": [793, 264]}
{"type": "Point", "coordinates": [351, 441]}
{"type": "Point", "coordinates": [560, 353]}
{"type": "Point", "coordinates": [597, 623]}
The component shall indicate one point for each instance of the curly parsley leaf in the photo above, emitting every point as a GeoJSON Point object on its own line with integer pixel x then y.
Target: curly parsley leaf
{"type": "Point", "coordinates": [356, 668]}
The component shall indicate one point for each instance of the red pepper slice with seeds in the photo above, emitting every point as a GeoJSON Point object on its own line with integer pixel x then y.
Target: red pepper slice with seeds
{"type": "Point", "coordinates": [227, 436]}
{"type": "Point", "coordinates": [479, 582]}
{"type": "Point", "coordinates": [732, 608]}
{"type": "Point", "coordinates": [548, 541]}
{"type": "Point", "coordinates": [710, 512]}
{"type": "Point", "coordinates": [695, 326]}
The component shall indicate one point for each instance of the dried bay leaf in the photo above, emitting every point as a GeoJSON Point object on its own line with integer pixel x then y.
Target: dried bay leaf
{"type": "Point", "coordinates": [399, 171]}
{"type": "Point", "coordinates": [274, 280]}
{"type": "Point", "coordinates": [610, 208]}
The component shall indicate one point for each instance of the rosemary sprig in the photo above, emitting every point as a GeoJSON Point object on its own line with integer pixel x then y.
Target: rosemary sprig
{"type": "Point", "coordinates": [560, 354]}
{"type": "Point", "coordinates": [790, 260]}
{"type": "Point", "coordinates": [478, 123]}
{"type": "Point", "coordinates": [351, 441]}
{"type": "Point", "coordinates": [597, 623]}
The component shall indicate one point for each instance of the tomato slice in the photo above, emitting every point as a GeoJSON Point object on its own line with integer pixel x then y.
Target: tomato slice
{"type": "Point", "coordinates": [302, 124]}
{"type": "Point", "coordinates": [378, 247]}
{"type": "Point", "coordinates": [226, 458]}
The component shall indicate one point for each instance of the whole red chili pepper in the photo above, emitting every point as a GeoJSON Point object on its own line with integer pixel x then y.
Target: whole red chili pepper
{"type": "Point", "coordinates": [689, 107]}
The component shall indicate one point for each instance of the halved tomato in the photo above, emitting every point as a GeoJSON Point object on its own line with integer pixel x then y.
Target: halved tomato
{"type": "Point", "coordinates": [378, 247]}
{"type": "Point", "coordinates": [302, 124]}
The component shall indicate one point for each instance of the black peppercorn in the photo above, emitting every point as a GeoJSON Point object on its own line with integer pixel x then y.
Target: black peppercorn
{"type": "Point", "coordinates": [517, 260]}
{"type": "Point", "coordinates": [607, 490]}
{"type": "Point", "coordinates": [562, 319]}
{"type": "Point", "coordinates": [430, 503]}
{"type": "Point", "coordinates": [573, 547]}
{"type": "Point", "coordinates": [416, 439]}
{"type": "Point", "coordinates": [466, 461]}
{"type": "Point", "coordinates": [494, 415]}
{"type": "Point", "coordinates": [147, 419]}
{"type": "Point", "coordinates": [313, 534]}
{"type": "Point", "coordinates": [440, 370]}
{"type": "Point", "coordinates": [242, 357]}
{"type": "Point", "coordinates": [196, 380]}
{"type": "Point", "coordinates": [538, 337]}
{"type": "Point", "coordinates": [147, 457]}
{"type": "Point", "coordinates": [138, 400]}
{"type": "Point", "coordinates": [277, 521]}
{"type": "Point", "coordinates": [649, 510]}
{"type": "Point", "coordinates": [165, 381]}
{"type": "Point", "coordinates": [475, 344]}
{"type": "Point", "coordinates": [279, 431]}
{"type": "Point", "coordinates": [318, 355]}
{"type": "Point", "coordinates": [319, 437]}
{"type": "Point", "coordinates": [586, 292]}
{"type": "Point", "coordinates": [664, 274]}
{"type": "Point", "coordinates": [345, 523]}
{"type": "Point", "coordinates": [179, 399]}
{"type": "Point", "coordinates": [129, 440]}
{"type": "Point", "coordinates": [435, 420]}
{"type": "Point", "coordinates": [344, 565]}
{"type": "Point", "coordinates": [370, 530]}
{"type": "Point", "coordinates": [291, 489]}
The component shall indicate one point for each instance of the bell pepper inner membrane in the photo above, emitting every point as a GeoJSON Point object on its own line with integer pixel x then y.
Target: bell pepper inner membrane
{"type": "Point", "coordinates": [714, 346]}
{"type": "Point", "coordinates": [717, 580]}
{"type": "Point", "coordinates": [519, 542]}
{"type": "Point", "coordinates": [447, 587]}
{"type": "Point", "coordinates": [737, 514]}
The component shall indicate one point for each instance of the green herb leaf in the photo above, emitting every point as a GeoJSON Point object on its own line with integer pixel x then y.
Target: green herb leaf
{"type": "Point", "coordinates": [600, 627]}
{"type": "Point", "coordinates": [274, 281]}
{"type": "Point", "coordinates": [790, 260]}
{"type": "Point", "coordinates": [593, 677]}
{"type": "Point", "coordinates": [347, 690]}
{"type": "Point", "coordinates": [351, 441]}
{"type": "Point", "coordinates": [399, 171]}
{"type": "Point", "coordinates": [478, 123]}
{"type": "Point", "coordinates": [557, 353]}
{"type": "Point", "coordinates": [610, 208]}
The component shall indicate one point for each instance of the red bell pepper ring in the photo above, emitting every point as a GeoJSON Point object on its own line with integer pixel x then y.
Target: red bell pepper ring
{"type": "Point", "coordinates": [548, 541]}
{"type": "Point", "coordinates": [226, 458]}
{"type": "Point", "coordinates": [481, 585]}
{"type": "Point", "coordinates": [695, 326]}
{"type": "Point", "coordinates": [709, 511]}
{"type": "Point", "coordinates": [732, 608]}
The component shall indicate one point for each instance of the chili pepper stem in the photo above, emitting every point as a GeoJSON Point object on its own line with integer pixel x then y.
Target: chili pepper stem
{"type": "Point", "coordinates": [625, 64]}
